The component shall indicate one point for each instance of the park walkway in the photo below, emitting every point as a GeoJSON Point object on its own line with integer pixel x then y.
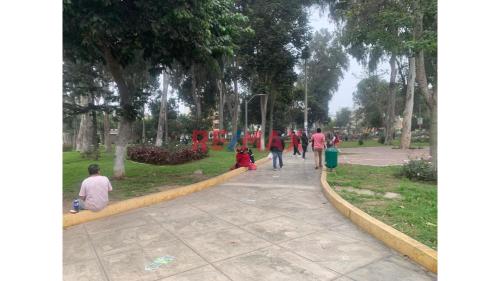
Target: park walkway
{"type": "Point", "coordinates": [261, 225]}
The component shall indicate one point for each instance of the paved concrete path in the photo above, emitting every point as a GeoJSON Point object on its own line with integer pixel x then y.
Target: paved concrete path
{"type": "Point", "coordinates": [262, 225]}
{"type": "Point", "coordinates": [380, 155]}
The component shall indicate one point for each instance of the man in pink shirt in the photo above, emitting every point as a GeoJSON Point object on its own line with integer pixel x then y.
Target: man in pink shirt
{"type": "Point", "coordinates": [318, 144]}
{"type": "Point", "coordinates": [94, 190]}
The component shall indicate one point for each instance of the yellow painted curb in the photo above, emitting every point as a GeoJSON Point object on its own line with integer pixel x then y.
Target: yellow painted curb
{"type": "Point", "coordinates": [146, 200]}
{"type": "Point", "coordinates": [398, 241]}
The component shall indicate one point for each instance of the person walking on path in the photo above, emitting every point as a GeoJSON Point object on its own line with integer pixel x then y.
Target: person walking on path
{"type": "Point", "coordinates": [305, 141]}
{"type": "Point", "coordinates": [336, 140]}
{"type": "Point", "coordinates": [94, 191]}
{"type": "Point", "coordinates": [295, 142]}
{"type": "Point", "coordinates": [318, 144]}
{"type": "Point", "coordinates": [277, 145]}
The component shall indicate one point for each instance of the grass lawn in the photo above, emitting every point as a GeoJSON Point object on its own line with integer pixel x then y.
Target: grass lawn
{"type": "Point", "coordinates": [141, 178]}
{"type": "Point", "coordinates": [371, 142]}
{"type": "Point", "coordinates": [414, 214]}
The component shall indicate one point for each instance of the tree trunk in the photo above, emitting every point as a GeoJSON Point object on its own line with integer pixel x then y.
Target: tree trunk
{"type": "Point", "coordinates": [75, 133]}
{"type": "Point", "coordinates": [124, 132]}
{"type": "Point", "coordinates": [430, 95]}
{"type": "Point", "coordinates": [107, 138]}
{"type": "Point", "coordinates": [126, 119]}
{"type": "Point", "coordinates": [163, 105]}
{"type": "Point", "coordinates": [101, 131]}
{"type": "Point", "coordinates": [234, 105]}
{"type": "Point", "coordinates": [85, 133]}
{"type": "Point", "coordinates": [143, 130]}
{"type": "Point", "coordinates": [75, 128]}
{"type": "Point", "coordinates": [430, 101]}
{"type": "Point", "coordinates": [408, 112]}
{"type": "Point", "coordinates": [235, 109]}
{"type": "Point", "coordinates": [95, 142]}
{"type": "Point", "coordinates": [433, 135]}
{"type": "Point", "coordinates": [271, 115]}
{"type": "Point", "coordinates": [221, 104]}
{"type": "Point", "coordinates": [389, 124]}
{"type": "Point", "coordinates": [194, 92]}
{"type": "Point", "coordinates": [263, 113]}
{"type": "Point", "coordinates": [81, 127]}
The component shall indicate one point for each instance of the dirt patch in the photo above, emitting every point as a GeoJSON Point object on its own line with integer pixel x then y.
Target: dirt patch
{"type": "Point", "coordinates": [361, 191]}
{"type": "Point", "coordinates": [355, 190]}
{"type": "Point", "coordinates": [374, 203]}
{"type": "Point", "coordinates": [392, 195]}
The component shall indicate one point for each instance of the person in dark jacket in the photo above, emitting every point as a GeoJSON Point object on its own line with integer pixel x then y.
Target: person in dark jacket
{"type": "Point", "coordinates": [277, 145]}
{"type": "Point", "coordinates": [305, 143]}
{"type": "Point", "coordinates": [295, 142]}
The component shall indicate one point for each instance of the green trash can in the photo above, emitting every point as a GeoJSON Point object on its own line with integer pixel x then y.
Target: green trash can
{"type": "Point", "coordinates": [331, 157]}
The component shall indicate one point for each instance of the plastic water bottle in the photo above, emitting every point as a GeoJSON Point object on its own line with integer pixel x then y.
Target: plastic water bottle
{"type": "Point", "coordinates": [76, 205]}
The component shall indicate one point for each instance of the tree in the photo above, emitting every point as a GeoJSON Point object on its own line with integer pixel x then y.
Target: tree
{"type": "Point", "coordinates": [84, 84]}
{"type": "Point", "coordinates": [233, 95]}
{"type": "Point", "coordinates": [371, 96]}
{"type": "Point", "coordinates": [425, 24]}
{"type": "Point", "coordinates": [171, 117]}
{"type": "Point", "coordinates": [280, 32]}
{"type": "Point", "coordinates": [405, 141]}
{"type": "Point", "coordinates": [416, 29]}
{"type": "Point", "coordinates": [343, 117]}
{"type": "Point", "coordinates": [372, 29]}
{"type": "Point", "coordinates": [325, 70]}
{"type": "Point", "coordinates": [162, 119]}
{"type": "Point", "coordinates": [120, 33]}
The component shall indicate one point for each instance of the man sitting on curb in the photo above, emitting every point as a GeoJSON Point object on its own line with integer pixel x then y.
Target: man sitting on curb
{"type": "Point", "coordinates": [94, 191]}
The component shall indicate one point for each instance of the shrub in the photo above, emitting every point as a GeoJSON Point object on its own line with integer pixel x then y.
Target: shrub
{"type": "Point", "coordinates": [361, 142]}
{"type": "Point", "coordinates": [164, 156]}
{"type": "Point", "coordinates": [419, 170]}
{"type": "Point", "coordinates": [381, 139]}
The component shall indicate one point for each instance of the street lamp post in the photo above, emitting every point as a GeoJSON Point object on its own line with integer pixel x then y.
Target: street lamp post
{"type": "Point", "coordinates": [305, 55]}
{"type": "Point", "coordinates": [246, 112]}
{"type": "Point", "coordinates": [305, 99]}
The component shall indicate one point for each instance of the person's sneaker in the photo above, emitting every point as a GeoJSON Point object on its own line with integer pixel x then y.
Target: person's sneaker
{"type": "Point", "coordinates": [274, 169]}
{"type": "Point", "coordinates": [73, 211]}
{"type": "Point", "coordinates": [316, 167]}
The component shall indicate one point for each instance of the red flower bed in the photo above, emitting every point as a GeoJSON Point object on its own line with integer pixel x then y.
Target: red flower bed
{"type": "Point", "coordinates": [163, 156]}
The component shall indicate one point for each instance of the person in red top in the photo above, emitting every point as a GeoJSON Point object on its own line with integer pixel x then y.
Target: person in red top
{"type": "Point", "coordinates": [318, 144]}
{"type": "Point", "coordinates": [277, 145]}
{"type": "Point", "coordinates": [295, 142]}
{"type": "Point", "coordinates": [336, 140]}
{"type": "Point", "coordinates": [243, 159]}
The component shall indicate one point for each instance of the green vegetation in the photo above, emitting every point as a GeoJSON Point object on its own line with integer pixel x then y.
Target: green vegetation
{"type": "Point", "coordinates": [354, 143]}
{"type": "Point", "coordinates": [414, 214]}
{"type": "Point", "coordinates": [141, 178]}
{"type": "Point", "coordinates": [373, 142]}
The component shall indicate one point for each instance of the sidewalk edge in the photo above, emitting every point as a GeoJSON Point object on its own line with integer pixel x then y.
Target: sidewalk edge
{"type": "Point", "coordinates": [393, 238]}
{"type": "Point", "coordinates": [150, 199]}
